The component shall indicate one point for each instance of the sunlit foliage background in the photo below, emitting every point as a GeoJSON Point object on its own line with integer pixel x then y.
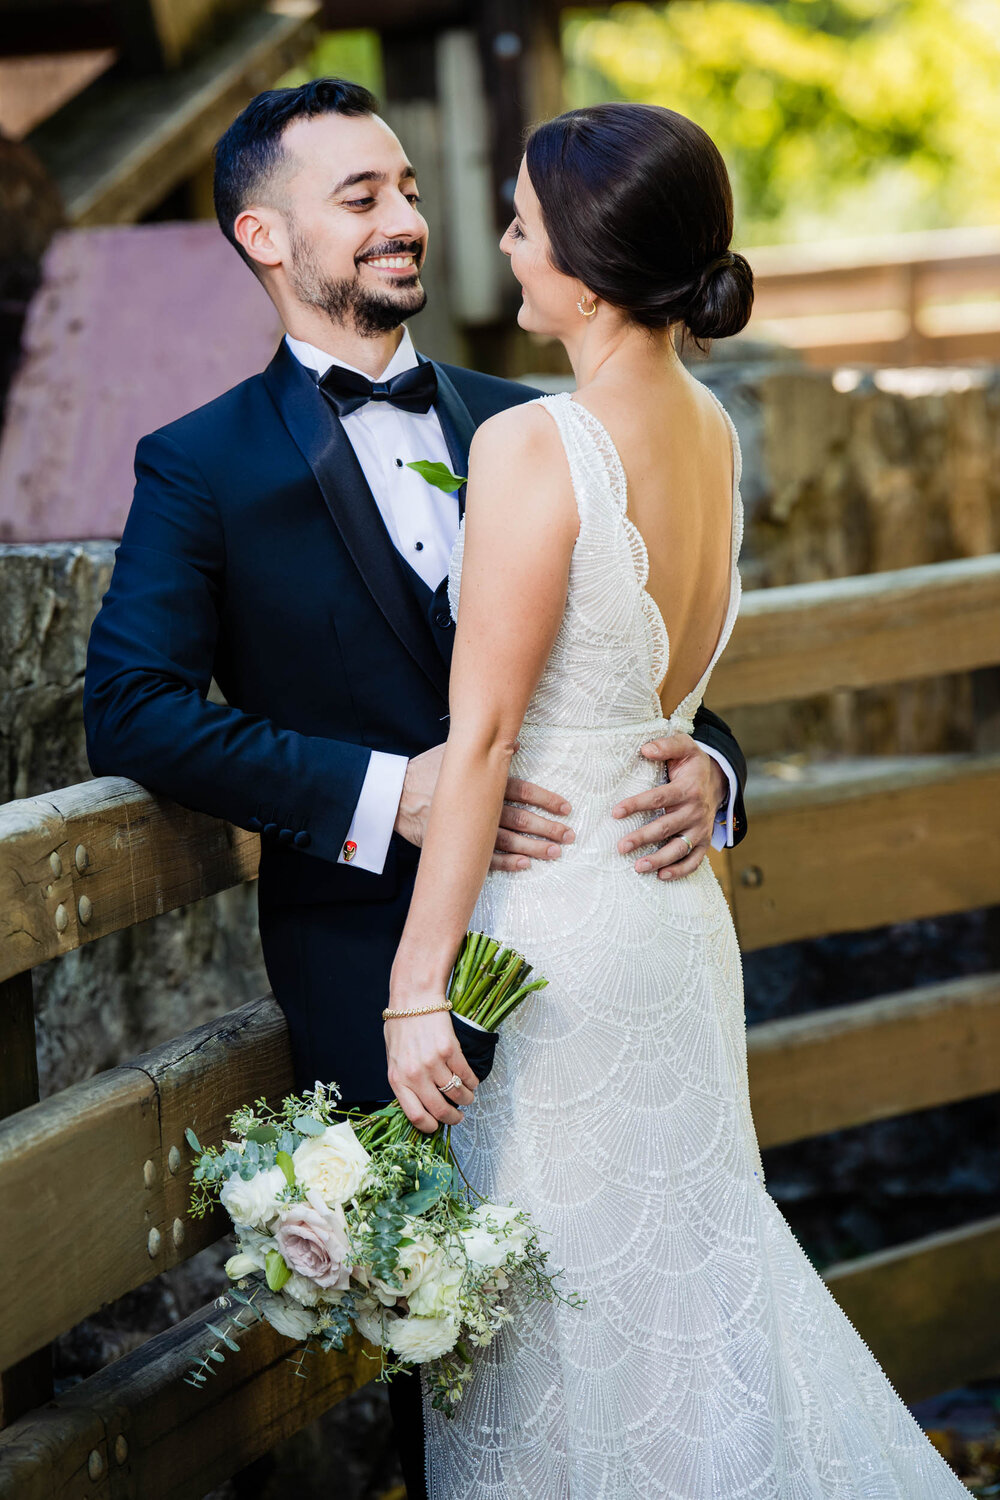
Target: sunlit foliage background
{"type": "Point", "coordinates": [836, 117]}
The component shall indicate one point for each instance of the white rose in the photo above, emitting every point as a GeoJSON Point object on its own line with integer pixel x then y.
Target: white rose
{"type": "Point", "coordinates": [290, 1318]}
{"type": "Point", "coordinates": [331, 1165]}
{"type": "Point", "coordinates": [368, 1320]}
{"type": "Point", "coordinates": [437, 1294]}
{"type": "Point", "coordinates": [253, 1203]}
{"type": "Point", "coordinates": [303, 1290]}
{"type": "Point", "coordinates": [416, 1340]}
{"type": "Point", "coordinates": [506, 1235]}
{"type": "Point", "coordinates": [241, 1264]}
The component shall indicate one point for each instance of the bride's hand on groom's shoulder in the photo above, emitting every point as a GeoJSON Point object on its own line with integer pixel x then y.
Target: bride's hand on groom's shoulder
{"type": "Point", "coordinates": [681, 810]}
{"type": "Point", "coordinates": [524, 834]}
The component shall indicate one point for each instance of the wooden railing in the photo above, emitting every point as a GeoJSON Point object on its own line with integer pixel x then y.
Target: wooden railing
{"type": "Point", "coordinates": [931, 297]}
{"type": "Point", "coordinates": [94, 1181]}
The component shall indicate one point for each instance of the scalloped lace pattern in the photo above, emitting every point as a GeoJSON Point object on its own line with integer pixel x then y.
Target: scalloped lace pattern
{"type": "Point", "coordinates": [710, 1362]}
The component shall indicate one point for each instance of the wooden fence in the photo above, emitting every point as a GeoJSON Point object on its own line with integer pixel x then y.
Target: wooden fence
{"type": "Point", "coordinates": [94, 1181]}
{"type": "Point", "coordinates": [927, 298]}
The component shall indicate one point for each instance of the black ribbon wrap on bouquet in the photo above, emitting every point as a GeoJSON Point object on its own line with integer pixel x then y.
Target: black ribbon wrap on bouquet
{"type": "Point", "coordinates": [478, 1046]}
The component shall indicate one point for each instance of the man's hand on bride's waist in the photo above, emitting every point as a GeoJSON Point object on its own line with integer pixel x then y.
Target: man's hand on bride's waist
{"type": "Point", "coordinates": [524, 833]}
{"type": "Point", "coordinates": [686, 805]}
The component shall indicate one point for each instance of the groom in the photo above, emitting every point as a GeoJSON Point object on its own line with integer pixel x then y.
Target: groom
{"type": "Point", "coordinates": [279, 542]}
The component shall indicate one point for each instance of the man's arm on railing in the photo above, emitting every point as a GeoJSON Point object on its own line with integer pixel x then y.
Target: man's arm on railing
{"type": "Point", "coordinates": [149, 667]}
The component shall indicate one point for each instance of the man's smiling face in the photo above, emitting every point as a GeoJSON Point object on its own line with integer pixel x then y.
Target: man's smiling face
{"type": "Point", "coordinates": [355, 239]}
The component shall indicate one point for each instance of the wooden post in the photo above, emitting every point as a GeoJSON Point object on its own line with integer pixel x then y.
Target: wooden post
{"type": "Point", "coordinates": [28, 1383]}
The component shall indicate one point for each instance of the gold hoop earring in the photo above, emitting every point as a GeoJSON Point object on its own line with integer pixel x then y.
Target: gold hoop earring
{"type": "Point", "coordinates": [592, 310]}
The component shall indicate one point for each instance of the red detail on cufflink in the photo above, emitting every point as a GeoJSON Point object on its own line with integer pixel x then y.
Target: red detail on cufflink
{"type": "Point", "coordinates": [350, 850]}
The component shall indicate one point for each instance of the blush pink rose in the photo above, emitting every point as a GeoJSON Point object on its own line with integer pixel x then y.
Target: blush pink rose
{"type": "Point", "coordinates": [313, 1242]}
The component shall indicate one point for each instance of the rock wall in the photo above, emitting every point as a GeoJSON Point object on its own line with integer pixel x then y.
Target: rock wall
{"type": "Point", "coordinates": [843, 473]}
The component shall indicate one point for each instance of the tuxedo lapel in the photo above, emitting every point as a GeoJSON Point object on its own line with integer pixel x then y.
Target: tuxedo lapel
{"type": "Point", "coordinates": [456, 424]}
{"type": "Point", "coordinates": [319, 435]}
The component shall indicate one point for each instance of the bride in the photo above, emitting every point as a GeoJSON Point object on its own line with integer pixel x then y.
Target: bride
{"type": "Point", "coordinates": [595, 585]}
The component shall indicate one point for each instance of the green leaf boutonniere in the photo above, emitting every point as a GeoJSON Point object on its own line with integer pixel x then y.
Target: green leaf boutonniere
{"type": "Point", "coordinates": [439, 475]}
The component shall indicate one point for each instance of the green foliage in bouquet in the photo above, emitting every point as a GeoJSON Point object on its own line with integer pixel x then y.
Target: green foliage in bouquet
{"type": "Point", "coordinates": [350, 1221]}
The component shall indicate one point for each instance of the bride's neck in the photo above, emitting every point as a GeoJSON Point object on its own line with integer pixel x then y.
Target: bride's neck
{"type": "Point", "coordinates": [621, 351]}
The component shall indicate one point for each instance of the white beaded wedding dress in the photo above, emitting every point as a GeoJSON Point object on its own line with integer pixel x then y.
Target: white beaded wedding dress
{"type": "Point", "coordinates": [709, 1362]}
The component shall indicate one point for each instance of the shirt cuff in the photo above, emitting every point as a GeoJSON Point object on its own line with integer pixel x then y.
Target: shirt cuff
{"type": "Point", "coordinates": [367, 842]}
{"type": "Point", "coordinates": [722, 833]}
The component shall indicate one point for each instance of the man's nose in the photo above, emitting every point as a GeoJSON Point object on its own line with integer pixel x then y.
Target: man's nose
{"type": "Point", "coordinates": [403, 222]}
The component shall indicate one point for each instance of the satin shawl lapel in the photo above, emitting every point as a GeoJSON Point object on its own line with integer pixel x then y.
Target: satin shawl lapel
{"type": "Point", "coordinates": [323, 443]}
{"type": "Point", "coordinates": [457, 426]}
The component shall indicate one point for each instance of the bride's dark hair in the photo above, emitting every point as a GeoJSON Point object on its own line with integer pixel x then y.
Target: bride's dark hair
{"type": "Point", "coordinates": [638, 206]}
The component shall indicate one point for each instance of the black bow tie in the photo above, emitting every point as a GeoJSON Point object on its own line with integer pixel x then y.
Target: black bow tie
{"type": "Point", "coordinates": [411, 390]}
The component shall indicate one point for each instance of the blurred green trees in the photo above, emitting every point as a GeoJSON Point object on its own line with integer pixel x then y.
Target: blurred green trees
{"type": "Point", "coordinates": [835, 117]}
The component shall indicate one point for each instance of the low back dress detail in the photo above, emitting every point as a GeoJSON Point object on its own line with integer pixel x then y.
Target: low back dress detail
{"type": "Point", "coordinates": [709, 1362]}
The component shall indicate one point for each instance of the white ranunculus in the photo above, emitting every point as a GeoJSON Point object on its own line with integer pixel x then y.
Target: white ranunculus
{"type": "Point", "coordinates": [332, 1165]}
{"type": "Point", "coordinates": [416, 1340]}
{"type": "Point", "coordinates": [303, 1290]}
{"type": "Point", "coordinates": [290, 1318]}
{"type": "Point", "coordinates": [253, 1203]}
{"type": "Point", "coordinates": [437, 1294]}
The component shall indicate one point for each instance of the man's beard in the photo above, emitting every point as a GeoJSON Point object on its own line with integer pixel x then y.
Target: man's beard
{"type": "Point", "coordinates": [345, 300]}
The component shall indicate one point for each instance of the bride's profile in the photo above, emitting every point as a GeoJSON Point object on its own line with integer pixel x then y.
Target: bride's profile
{"type": "Point", "coordinates": [595, 585]}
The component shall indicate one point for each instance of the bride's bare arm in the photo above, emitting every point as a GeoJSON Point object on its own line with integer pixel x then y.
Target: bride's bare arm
{"type": "Point", "coordinates": [520, 527]}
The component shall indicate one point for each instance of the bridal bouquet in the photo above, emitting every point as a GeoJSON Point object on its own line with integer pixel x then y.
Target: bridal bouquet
{"type": "Point", "coordinates": [349, 1221]}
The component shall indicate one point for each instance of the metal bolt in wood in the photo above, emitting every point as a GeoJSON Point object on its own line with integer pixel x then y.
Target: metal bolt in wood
{"type": "Point", "coordinates": [61, 918]}
{"type": "Point", "coordinates": [55, 864]}
{"type": "Point", "coordinates": [95, 1464]}
{"type": "Point", "coordinates": [84, 909]}
{"type": "Point", "coordinates": [753, 875]}
{"type": "Point", "coordinates": [148, 1173]}
{"type": "Point", "coordinates": [174, 1159]}
{"type": "Point", "coordinates": [81, 858]}
{"type": "Point", "coordinates": [178, 1232]}
{"type": "Point", "coordinates": [153, 1242]}
{"type": "Point", "coordinates": [121, 1448]}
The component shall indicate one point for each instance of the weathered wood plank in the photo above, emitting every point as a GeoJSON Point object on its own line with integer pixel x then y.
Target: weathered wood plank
{"type": "Point", "coordinates": [157, 1438]}
{"type": "Point", "coordinates": [857, 845]}
{"type": "Point", "coordinates": [108, 1155]}
{"type": "Point", "coordinates": [846, 1066]}
{"type": "Point", "coordinates": [858, 632]}
{"type": "Point", "coordinates": [929, 1309]}
{"type": "Point", "coordinates": [117, 151]}
{"type": "Point", "coordinates": [105, 854]}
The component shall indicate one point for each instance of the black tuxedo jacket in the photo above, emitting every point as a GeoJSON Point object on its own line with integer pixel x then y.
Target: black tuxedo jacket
{"type": "Point", "coordinates": [254, 552]}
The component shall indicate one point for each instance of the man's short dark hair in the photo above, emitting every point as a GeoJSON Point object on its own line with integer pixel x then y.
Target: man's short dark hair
{"type": "Point", "coordinates": [250, 151]}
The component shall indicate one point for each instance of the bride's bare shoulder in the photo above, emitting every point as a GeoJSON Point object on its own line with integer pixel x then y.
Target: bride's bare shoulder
{"type": "Point", "coordinates": [523, 433]}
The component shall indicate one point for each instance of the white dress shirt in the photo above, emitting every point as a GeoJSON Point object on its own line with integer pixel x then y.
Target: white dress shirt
{"type": "Point", "coordinates": [422, 522]}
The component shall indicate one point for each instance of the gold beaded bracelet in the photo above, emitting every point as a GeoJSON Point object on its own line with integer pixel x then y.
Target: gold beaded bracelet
{"type": "Point", "coordinates": [422, 1010]}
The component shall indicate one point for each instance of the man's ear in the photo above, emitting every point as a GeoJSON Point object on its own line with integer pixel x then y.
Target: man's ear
{"type": "Point", "coordinates": [258, 231]}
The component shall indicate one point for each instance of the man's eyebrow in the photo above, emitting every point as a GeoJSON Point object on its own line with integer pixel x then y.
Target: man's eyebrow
{"type": "Point", "coordinates": [369, 176]}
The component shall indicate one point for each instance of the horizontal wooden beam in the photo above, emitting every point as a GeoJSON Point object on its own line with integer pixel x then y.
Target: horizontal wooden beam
{"type": "Point", "coordinates": [812, 638]}
{"type": "Point", "coordinates": [108, 1156]}
{"type": "Point", "coordinates": [90, 859]}
{"type": "Point", "coordinates": [930, 1309]}
{"type": "Point", "coordinates": [137, 1431]}
{"type": "Point", "coordinates": [830, 1069]}
{"type": "Point", "coordinates": [117, 150]}
{"type": "Point", "coordinates": [861, 844]}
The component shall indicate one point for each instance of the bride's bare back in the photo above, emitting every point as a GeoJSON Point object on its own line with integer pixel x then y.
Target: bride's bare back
{"type": "Point", "coordinates": [677, 455]}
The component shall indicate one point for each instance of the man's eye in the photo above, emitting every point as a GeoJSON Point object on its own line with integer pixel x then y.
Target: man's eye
{"type": "Point", "coordinates": [414, 198]}
{"type": "Point", "coordinates": [359, 202]}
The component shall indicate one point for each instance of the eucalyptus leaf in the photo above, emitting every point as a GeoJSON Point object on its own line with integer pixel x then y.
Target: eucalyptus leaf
{"type": "Point", "coordinates": [435, 1181]}
{"type": "Point", "coordinates": [276, 1270]}
{"type": "Point", "coordinates": [217, 1355]}
{"type": "Point", "coordinates": [262, 1134]}
{"type": "Point", "coordinates": [439, 475]}
{"type": "Point", "coordinates": [192, 1139]}
{"type": "Point", "coordinates": [306, 1125]}
{"type": "Point", "coordinates": [220, 1333]}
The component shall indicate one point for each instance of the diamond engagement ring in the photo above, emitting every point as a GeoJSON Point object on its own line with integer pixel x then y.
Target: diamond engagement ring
{"type": "Point", "coordinates": [452, 1081]}
{"type": "Point", "coordinates": [686, 840]}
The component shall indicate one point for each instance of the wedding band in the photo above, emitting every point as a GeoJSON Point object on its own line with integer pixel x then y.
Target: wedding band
{"type": "Point", "coordinates": [452, 1081]}
{"type": "Point", "coordinates": [686, 840]}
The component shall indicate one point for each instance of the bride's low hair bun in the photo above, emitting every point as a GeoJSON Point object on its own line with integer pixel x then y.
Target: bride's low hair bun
{"type": "Point", "coordinates": [638, 206]}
